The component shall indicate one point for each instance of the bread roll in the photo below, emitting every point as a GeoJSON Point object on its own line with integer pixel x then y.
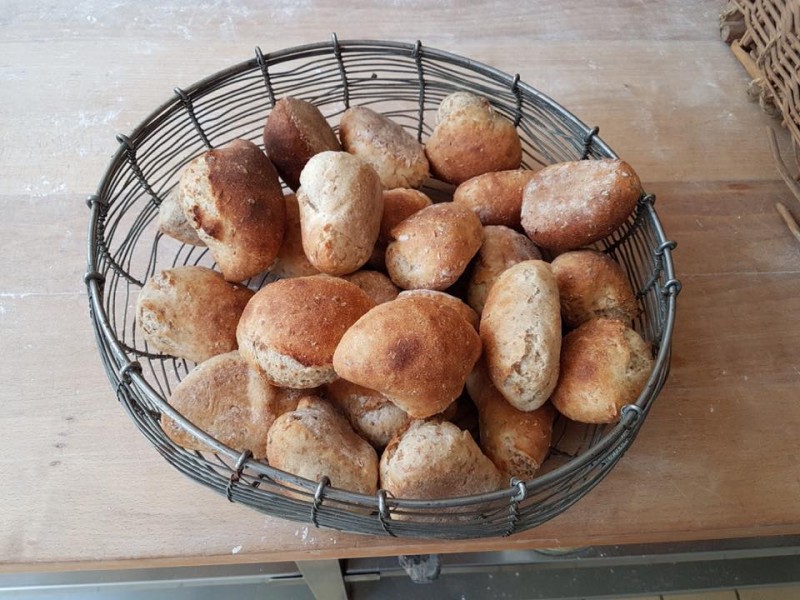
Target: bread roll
{"type": "Point", "coordinates": [495, 197]}
{"type": "Point", "coordinates": [190, 312]}
{"type": "Point", "coordinates": [292, 260]}
{"type": "Point", "coordinates": [604, 366]}
{"type": "Point", "coordinates": [501, 248]}
{"type": "Point", "coordinates": [341, 204]}
{"type": "Point", "coordinates": [573, 204]}
{"type": "Point", "coordinates": [415, 351]}
{"type": "Point", "coordinates": [172, 221]}
{"type": "Point", "coordinates": [398, 205]}
{"type": "Point", "coordinates": [377, 285]}
{"type": "Point", "coordinates": [397, 157]}
{"type": "Point", "coordinates": [433, 247]}
{"type": "Point", "coordinates": [521, 334]}
{"type": "Point", "coordinates": [455, 303]}
{"type": "Point", "coordinates": [294, 132]}
{"type": "Point", "coordinates": [314, 440]}
{"type": "Point", "coordinates": [517, 442]}
{"type": "Point", "coordinates": [291, 327]}
{"type": "Point", "coordinates": [592, 284]}
{"type": "Point", "coordinates": [470, 139]}
{"type": "Point", "coordinates": [230, 401]}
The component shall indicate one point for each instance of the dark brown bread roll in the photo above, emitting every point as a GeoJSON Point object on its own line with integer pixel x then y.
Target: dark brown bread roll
{"type": "Point", "coordinates": [495, 197]}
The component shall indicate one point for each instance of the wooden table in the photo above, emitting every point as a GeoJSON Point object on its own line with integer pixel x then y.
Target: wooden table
{"type": "Point", "coordinates": [718, 456]}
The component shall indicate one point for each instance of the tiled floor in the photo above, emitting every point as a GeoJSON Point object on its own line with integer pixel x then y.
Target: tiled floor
{"type": "Point", "coordinates": [771, 593]}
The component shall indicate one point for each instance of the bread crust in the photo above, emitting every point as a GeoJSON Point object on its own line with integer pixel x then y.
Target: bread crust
{"type": "Point", "coordinates": [495, 197]}
{"type": "Point", "coordinates": [172, 221]}
{"type": "Point", "coordinates": [292, 260]}
{"type": "Point", "coordinates": [398, 205]}
{"type": "Point", "coordinates": [377, 285]}
{"type": "Point", "coordinates": [456, 304]}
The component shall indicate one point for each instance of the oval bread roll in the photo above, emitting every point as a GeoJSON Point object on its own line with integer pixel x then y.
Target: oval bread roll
{"type": "Point", "coordinates": [377, 285]}
{"type": "Point", "coordinates": [573, 204]}
{"type": "Point", "coordinates": [292, 260]}
{"type": "Point", "coordinates": [172, 221]}
{"type": "Point", "coordinates": [190, 312]}
{"type": "Point", "coordinates": [455, 303]}
{"type": "Point", "coordinates": [398, 205]}
{"type": "Point", "coordinates": [341, 204]}
{"type": "Point", "coordinates": [495, 197]}
{"type": "Point", "coordinates": [521, 334]}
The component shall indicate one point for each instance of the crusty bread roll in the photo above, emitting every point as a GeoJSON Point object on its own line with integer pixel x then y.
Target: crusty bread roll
{"type": "Point", "coordinates": [397, 157]}
{"type": "Point", "coordinates": [373, 416]}
{"type": "Point", "coordinates": [517, 442]}
{"type": "Point", "coordinates": [604, 366]}
{"type": "Point", "coordinates": [471, 138]}
{"type": "Point", "coordinates": [573, 204]}
{"type": "Point", "coordinates": [295, 131]}
{"type": "Point", "coordinates": [233, 199]}
{"type": "Point", "coordinates": [501, 248]}
{"type": "Point", "coordinates": [291, 327]}
{"type": "Point", "coordinates": [521, 334]}
{"type": "Point", "coordinates": [455, 303]}
{"type": "Point", "coordinates": [495, 197]}
{"type": "Point", "coordinates": [172, 221]}
{"type": "Point", "coordinates": [190, 312]}
{"type": "Point", "coordinates": [292, 260]}
{"type": "Point", "coordinates": [415, 351]}
{"type": "Point", "coordinates": [377, 285]}
{"type": "Point", "coordinates": [341, 204]}
{"type": "Point", "coordinates": [230, 401]}
{"type": "Point", "coordinates": [432, 247]}
{"type": "Point", "coordinates": [592, 284]}
{"type": "Point", "coordinates": [398, 205]}
{"type": "Point", "coordinates": [314, 440]}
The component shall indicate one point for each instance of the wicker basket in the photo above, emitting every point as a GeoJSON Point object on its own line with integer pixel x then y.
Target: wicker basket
{"type": "Point", "coordinates": [405, 82]}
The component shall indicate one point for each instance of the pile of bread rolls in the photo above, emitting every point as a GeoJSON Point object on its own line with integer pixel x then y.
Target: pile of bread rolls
{"type": "Point", "coordinates": [385, 307]}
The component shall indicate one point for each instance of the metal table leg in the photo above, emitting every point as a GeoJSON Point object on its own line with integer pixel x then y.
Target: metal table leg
{"type": "Point", "coordinates": [324, 578]}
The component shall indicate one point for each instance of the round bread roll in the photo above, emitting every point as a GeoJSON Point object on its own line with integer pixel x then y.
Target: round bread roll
{"type": "Point", "coordinates": [372, 415]}
{"type": "Point", "coordinates": [172, 221]}
{"type": "Point", "coordinates": [471, 139]}
{"type": "Point", "coordinates": [292, 260]}
{"type": "Point", "coordinates": [190, 312]}
{"type": "Point", "coordinates": [495, 197]}
{"type": "Point", "coordinates": [314, 440]}
{"type": "Point", "coordinates": [397, 157]}
{"type": "Point", "coordinates": [455, 303]}
{"type": "Point", "coordinates": [432, 247]}
{"type": "Point", "coordinates": [592, 284]}
{"type": "Point", "coordinates": [398, 205]}
{"type": "Point", "coordinates": [517, 442]}
{"type": "Point", "coordinates": [604, 366]}
{"type": "Point", "coordinates": [502, 248]}
{"type": "Point", "coordinates": [521, 334]}
{"type": "Point", "coordinates": [415, 351]}
{"type": "Point", "coordinates": [230, 401]}
{"type": "Point", "coordinates": [294, 132]}
{"type": "Point", "coordinates": [341, 204]}
{"type": "Point", "coordinates": [573, 204]}
{"type": "Point", "coordinates": [291, 327]}
{"type": "Point", "coordinates": [377, 285]}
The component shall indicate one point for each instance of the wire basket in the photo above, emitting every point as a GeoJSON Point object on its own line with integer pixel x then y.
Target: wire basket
{"type": "Point", "coordinates": [405, 82]}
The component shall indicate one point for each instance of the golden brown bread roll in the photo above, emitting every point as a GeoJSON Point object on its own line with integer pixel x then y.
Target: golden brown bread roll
{"type": "Point", "coordinates": [592, 284]}
{"type": "Point", "coordinates": [604, 366]}
{"type": "Point", "coordinates": [432, 247]}
{"type": "Point", "coordinates": [291, 327]}
{"type": "Point", "coordinates": [521, 334]}
{"type": "Point", "coordinates": [292, 260]}
{"type": "Point", "coordinates": [341, 204]}
{"type": "Point", "coordinates": [471, 138]}
{"type": "Point", "coordinates": [415, 351]}
{"type": "Point", "coordinates": [397, 157]}
{"type": "Point", "coordinates": [294, 132]}
{"type": "Point", "coordinates": [172, 221]}
{"type": "Point", "coordinates": [314, 440]}
{"type": "Point", "coordinates": [377, 285]}
{"type": "Point", "coordinates": [190, 312]}
{"type": "Point", "coordinates": [230, 401]}
{"type": "Point", "coordinates": [455, 303]}
{"type": "Point", "coordinates": [398, 205]}
{"type": "Point", "coordinates": [501, 248]}
{"type": "Point", "coordinates": [495, 197]}
{"type": "Point", "coordinates": [573, 204]}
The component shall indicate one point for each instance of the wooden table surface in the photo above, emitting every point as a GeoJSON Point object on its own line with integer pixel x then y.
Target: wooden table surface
{"type": "Point", "coordinates": [718, 455]}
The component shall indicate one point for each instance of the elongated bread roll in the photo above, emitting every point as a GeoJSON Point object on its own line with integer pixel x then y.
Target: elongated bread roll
{"type": "Point", "coordinates": [495, 197]}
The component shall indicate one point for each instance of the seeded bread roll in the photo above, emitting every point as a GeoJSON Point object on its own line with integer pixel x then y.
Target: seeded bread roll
{"type": "Point", "coordinates": [291, 327]}
{"type": "Point", "coordinates": [521, 334]}
{"type": "Point", "coordinates": [397, 157]}
{"type": "Point", "coordinates": [495, 197]}
{"type": "Point", "coordinates": [432, 247]}
{"type": "Point", "coordinates": [470, 139]}
{"type": "Point", "coordinates": [455, 303]}
{"type": "Point", "coordinates": [190, 312]}
{"type": "Point", "coordinates": [315, 441]}
{"type": "Point", "coordinates": [592, 284]}
{"type": "Point", "coordinates": [377, 285]}
{"type": "Point", "coordinates": [398, 205]}
{"type": "Point", "coordinates": [172, 221]}
{"type": "Point", "coordinates": [341, 204]}
{"type": "Point", "coordinates": [573, 204]}
{"type": "Point", "coordinates": [604, 366]}
{"type": "Point", "coordinates": [292, 260]}
{"type": "Point", "coordinates": [294, 132]}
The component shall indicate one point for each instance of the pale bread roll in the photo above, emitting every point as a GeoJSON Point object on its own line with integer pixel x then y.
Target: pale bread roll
{"type": "Point", "coordinates": [455, 303]}
{"type": "Point", "coordinates": [190, 312]}
{"type": "Point", "coordinates": [604, 366]}
{"type": "Point", "coordinates": [314, 440]}
{"type": "Point", "coordinates": [291, 327]}
{"type": "Point", "coordinates": [398, 205]}
{"type": "Point", "coordinates": [495, 197]}
{"type": "Point", "coordinates": [292, 260]}
{"type": "Point", "coordinates": [415, 351]}
{"type": "Point", "coordinates": [521, 334]}
{"type": "Point", "coordinates": [377, 285]}
{"type": "Point", "coordinates": [432, 247]}
{"type": "Point", "coordinates": [172, 221]}
{"type": "Point", "coordinates": [341, 204]}
{"type": "Point", "coordinates": [232, 197]}
{"type": "Point", "coordinates": [397, 157]}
